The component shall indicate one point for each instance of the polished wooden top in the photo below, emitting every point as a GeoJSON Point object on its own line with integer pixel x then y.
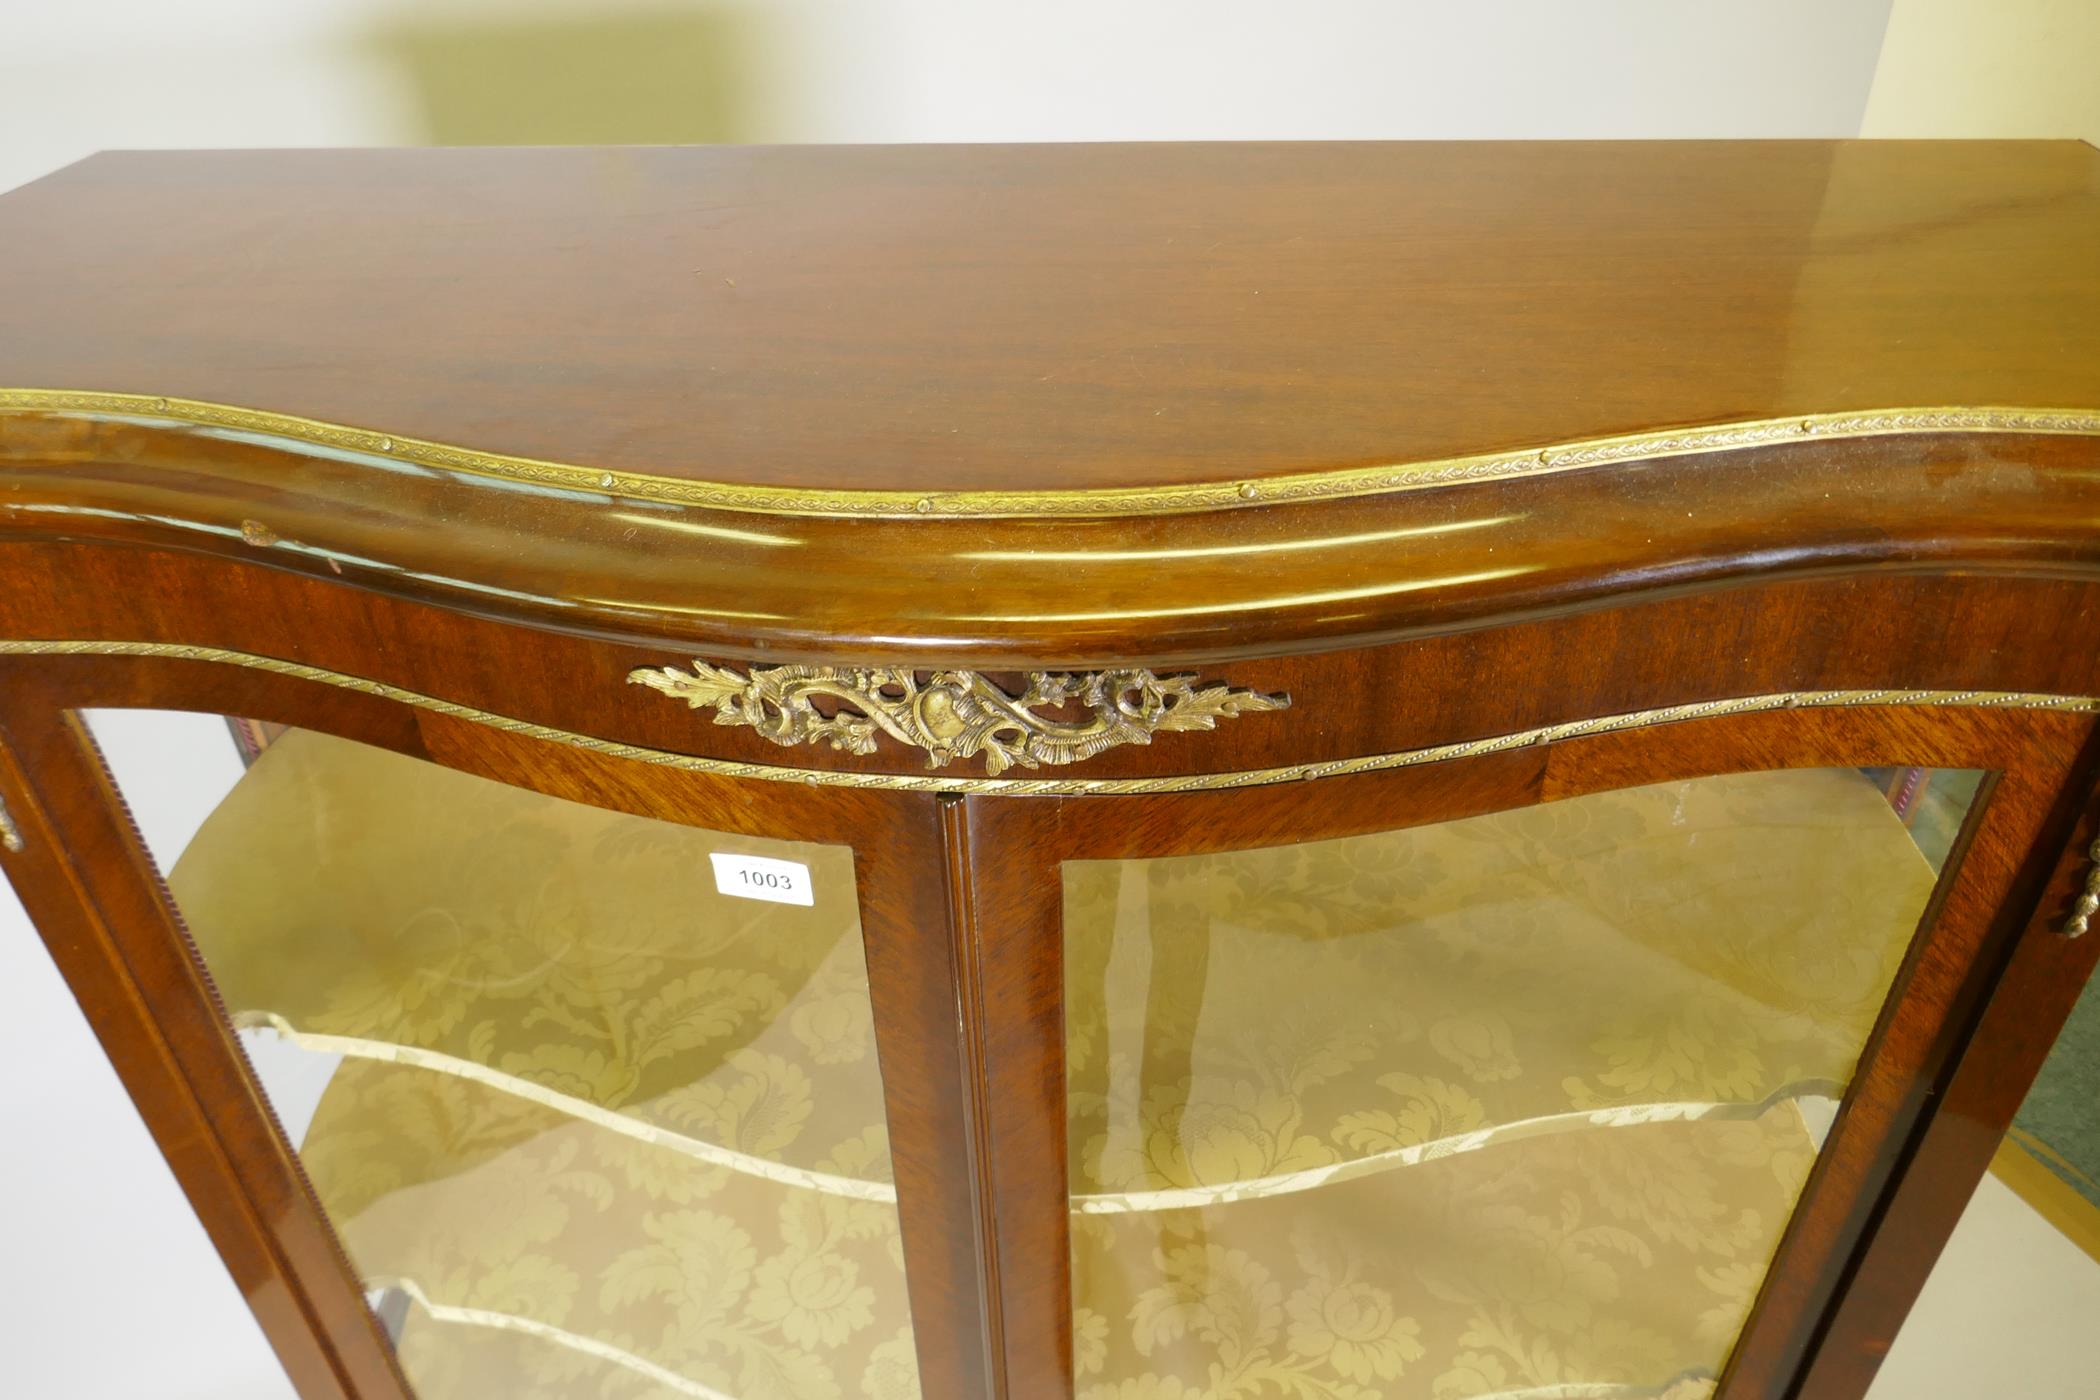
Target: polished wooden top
{"type": "Point", "coordinates": [989, 318]}
{"type": "Point", "coordinates": [1061, 405]}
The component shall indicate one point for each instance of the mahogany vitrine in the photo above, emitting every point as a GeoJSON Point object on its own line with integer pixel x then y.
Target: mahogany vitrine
{"type": "Point", "coordinates": [1328, 771]}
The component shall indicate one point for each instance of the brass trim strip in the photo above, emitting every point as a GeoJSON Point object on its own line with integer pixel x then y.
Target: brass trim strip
{"type": "Point", "coordinates": [454, 1315]}
{"type": "Point", "coordinates": [1077, 787]}
{"type": "Point", "coordinates": [1260, 1188]}
{"type": "Point", "coordinates": [1107, 501]}
{"type": "Point", "coordinates": [611, 1120]}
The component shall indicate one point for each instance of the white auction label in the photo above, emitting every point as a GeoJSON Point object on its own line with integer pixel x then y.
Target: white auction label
{"type": "Point", "coordinates": [762, 877]}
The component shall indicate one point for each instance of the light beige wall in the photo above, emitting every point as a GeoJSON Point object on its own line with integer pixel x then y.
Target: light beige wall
{"type": "Point", "coordinates": [77, 75]}
{"type": "Point", "coordinates": [1988, 68]}
{"type": "Point", "coordinates": [947, 70]}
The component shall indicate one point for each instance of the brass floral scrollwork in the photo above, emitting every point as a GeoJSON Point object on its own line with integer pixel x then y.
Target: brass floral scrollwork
{"type": "Point", "coordinates": [2088, 898]}
{"type": "Point", "coordinates": [955, 714]}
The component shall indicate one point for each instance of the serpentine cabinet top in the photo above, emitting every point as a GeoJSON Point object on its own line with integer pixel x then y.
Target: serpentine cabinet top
{"type": "Point", "coordinates": [1059, 404]}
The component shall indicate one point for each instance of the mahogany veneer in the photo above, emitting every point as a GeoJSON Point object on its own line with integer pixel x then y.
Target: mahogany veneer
{"type": "Point", "coordinates": [1446, 443]}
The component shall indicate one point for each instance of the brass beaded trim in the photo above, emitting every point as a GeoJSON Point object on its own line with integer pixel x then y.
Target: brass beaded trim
{"type": "Point", "coordinates": [1107, 501]}
{"type": "Point", "coordinates": [1077, 787]}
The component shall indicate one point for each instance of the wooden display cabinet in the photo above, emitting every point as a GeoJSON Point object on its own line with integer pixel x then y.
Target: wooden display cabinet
{"type": "Point", "coordinates": [1333, 771]}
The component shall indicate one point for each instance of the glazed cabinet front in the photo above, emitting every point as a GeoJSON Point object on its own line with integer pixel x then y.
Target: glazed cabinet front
{"type": "Point", "coordinates": [591, 1099]}
{"type": "Point", "coordinates": [1515, 1105]}
{"type": "Point", "coordinates": [1566, 1070]}
{"type": "Point", "coordinates": [1577, 1067]}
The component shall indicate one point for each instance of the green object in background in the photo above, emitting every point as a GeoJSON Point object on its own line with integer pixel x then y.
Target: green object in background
{"type": "Point", "coordinates": [2058, 1124]}
{"type": "Point", "coordinates": [648, 77]}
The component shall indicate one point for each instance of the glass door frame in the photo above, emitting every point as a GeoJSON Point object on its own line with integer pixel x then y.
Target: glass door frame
{"type": "Point", "coordinates": [961, 917]}
{"type": "Point", "coordinates": [2037, 776]}
{"type": "Point", "coordinates": [99, 902]}
{"type": "Point", "coordinates": [1938, 1168]}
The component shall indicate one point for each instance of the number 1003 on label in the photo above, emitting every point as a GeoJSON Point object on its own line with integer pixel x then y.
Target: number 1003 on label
{"type": "Point", "coordinates": [762, 877]}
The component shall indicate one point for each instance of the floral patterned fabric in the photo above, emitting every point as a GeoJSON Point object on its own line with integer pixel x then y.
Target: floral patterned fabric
{"type": "Point", "coordinates": [617, 1134]}
{"type": "Point", "coordinates": [550, 1258]}
{"type": "Point", "coordinates": [378, 906]}
{"type": "Point", "coordinates": [1613, 1262]}
{"type": "Point", "coordinates": [1338, 1079]}
{"type": "Point", "coordinates": [1500, 1107]}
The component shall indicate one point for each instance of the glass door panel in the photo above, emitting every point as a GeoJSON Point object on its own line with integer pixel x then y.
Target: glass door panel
{"type": "Point", "coordinates": [587, 1123]}
{"type": "Point", "coordinates": [1516, 1105]}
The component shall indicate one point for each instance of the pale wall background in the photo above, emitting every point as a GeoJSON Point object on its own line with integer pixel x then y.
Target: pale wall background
{"type": "Point", "coordinates": [107, 1287]}
{"type": "Point", "coordinates": [2003, 68]}
{"type": "Point", "coordinates": [98, 73]}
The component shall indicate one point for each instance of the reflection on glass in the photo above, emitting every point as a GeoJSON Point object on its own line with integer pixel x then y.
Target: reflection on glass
{"type": "Point", "coordinates": [1510, 1106]}
{"type": "Point", "coordinates": [585, 1125]}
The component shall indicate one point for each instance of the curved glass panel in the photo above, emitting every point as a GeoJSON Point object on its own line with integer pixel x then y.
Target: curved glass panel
{"type": "Point", "coordinates": [587, 1122]}
{"type": "Point", "coordinates": [1517, 1105]}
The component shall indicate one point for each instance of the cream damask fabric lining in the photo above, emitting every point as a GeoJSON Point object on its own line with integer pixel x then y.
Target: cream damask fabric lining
{"type": "Point", "coordinates": [554, 1260]}
{"type": "Point", "coordinates": [1498, 1107]}
{"type": "Point", "coordinates": [621, 1135]}
{"type": "Point", "coordinates": [1609, 1263]}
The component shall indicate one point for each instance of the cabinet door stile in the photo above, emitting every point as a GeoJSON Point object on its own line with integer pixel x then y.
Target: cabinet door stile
{"type": "Point", "coordinates": [1980, 1091]}
{"type": "Point", "coordinates": [92, 890]}
{"type": "Point", "coordinates": [1013, 989]}
{"type": "Point", "coordinates": [925, 1043]}
{"type": "Point", "coordinates": [1962, 942]}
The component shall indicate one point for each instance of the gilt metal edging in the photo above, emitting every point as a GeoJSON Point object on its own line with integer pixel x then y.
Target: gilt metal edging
{"type": "Point", "coordinates": [1074, 503]}
{"type": "Point", "coordinates": [2088, 898]}
{"type": "Point", "coordinates": [1219, 781]}
{"type": "Point", "coordinates": [955, 714]}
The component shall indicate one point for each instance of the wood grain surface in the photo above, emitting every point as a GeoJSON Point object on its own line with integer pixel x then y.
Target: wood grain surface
{"type": "Point", "coordinates": [959, 317]}
{"type": "Point", "coordinates": [1067, 318]}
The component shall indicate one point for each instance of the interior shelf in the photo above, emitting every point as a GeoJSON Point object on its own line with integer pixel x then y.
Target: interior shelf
{"type": "Point", "coordinates": [542, 1249]}
{"type": "Point", "coordinates": [1270, 1021]}
{"type": "Point", "coordinates": [475, 1354]}
{"type": "Point", "coordinates": [1594, 1266]}
{"type": "Point", "coordinates": [600, 1122]}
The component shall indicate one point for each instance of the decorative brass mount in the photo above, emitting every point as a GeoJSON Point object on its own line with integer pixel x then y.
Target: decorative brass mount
{"type": "Point", "coordinates": [2088, 898]}
{"type": "Point", "coordinates": [955, 714]}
